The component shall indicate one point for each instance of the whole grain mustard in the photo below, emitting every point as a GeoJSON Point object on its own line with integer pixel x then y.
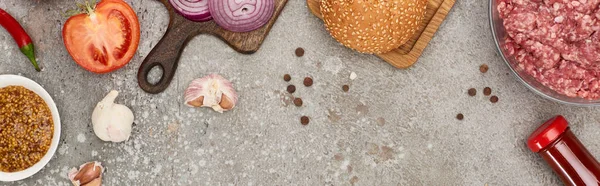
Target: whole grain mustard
{"type": "Point", "coordinates": [26, 128]}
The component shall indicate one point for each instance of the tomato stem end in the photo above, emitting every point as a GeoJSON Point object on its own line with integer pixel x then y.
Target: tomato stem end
{"type": "Point", "coordinates": [86, 7]}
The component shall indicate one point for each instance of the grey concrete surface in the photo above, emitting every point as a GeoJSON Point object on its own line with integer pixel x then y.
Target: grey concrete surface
{"type": "Point", "coordinates": [394, 127]}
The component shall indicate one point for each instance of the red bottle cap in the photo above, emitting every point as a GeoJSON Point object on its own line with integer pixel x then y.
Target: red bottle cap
{"type": "Point", "coordinates": [547, 133]}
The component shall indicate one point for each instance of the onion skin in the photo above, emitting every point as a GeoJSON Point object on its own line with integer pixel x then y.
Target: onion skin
{"type": "Point", "coordinates": [193, 10]}
{"type": "Point", "coordinates": [241, 15]}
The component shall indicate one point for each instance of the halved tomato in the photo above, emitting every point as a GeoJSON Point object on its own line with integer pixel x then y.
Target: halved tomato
{"type": "Point", "coordinates": [103, 39]}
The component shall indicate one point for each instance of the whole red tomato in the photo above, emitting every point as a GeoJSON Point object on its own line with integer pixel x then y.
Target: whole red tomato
{"type": "Point", "coordinates": [104, 38]}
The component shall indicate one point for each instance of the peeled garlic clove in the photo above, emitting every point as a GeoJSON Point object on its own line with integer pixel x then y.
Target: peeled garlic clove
{"type": "Point", "coordinates": [211, 91]}
{"type": "Point", "coordinates": [89, 174]}
{"type": "Point", "coordinates": [111, 121]}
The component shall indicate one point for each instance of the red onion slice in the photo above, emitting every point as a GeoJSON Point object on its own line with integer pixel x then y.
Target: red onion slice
{"type": "Point", "coordinates": [241, 15]}
{"type": "Point", "coordinates": [194, 10]}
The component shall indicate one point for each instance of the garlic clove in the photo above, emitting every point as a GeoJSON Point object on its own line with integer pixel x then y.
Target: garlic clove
{"type": "Point", "coordinates": [89, 174]}
{"type": "Point", "coordinates": [211, 91]}
{"type": "Point", "coordinates": [197, 102]}
{"type": "Point", "coordinates": [226, 103]}
{"type": "Point", "coordinates": [95, 182]}
{"type": "Point", "coordinates": [111, 121]}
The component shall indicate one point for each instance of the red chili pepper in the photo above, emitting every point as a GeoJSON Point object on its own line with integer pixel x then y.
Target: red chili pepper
{"type": "Point", "coordinates": [18, 33]}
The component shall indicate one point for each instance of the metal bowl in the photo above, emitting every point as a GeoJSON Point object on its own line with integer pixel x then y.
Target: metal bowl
{"type": "Point", "coordinates": [499, 34]}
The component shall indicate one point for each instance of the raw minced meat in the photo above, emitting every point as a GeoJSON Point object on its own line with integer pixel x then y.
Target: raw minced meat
{"type": "Point", "coordinates": [557, 42]}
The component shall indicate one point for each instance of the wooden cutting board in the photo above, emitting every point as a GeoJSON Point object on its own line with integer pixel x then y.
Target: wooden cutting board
{"type": "Point", "coordinates": [180, 30]}
{"type": "Point", "coordinates": [407, 54]}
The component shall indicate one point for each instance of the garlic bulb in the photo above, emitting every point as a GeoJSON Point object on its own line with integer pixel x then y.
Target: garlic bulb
{"type": "Point", "coordinates": [112, 122]}
{"type": "Point", "coordinates": [89, 174]}
{"type": "Point", "coordinates": [211, 91]}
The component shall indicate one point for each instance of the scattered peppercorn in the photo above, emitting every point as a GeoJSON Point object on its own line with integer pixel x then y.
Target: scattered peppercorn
{"type": "Point", "coordinates": [460, 116]}
{"type": "Point", "coordinates": [345, 88]}
{"type": "Point", "coordinates": [298, 102]}
{"type": "Point", "coordinates": [472, 92]}
{"type": "Point", "coordinates": [287, 77]}
{"type": "Point", "coordinates": [487, 91]}
{"type": "Point", "coordinates": [494, 99]}
{"type": "Point", "coordinates": [291, 89]}
{"type": "Point", "coordinates": [299, 52]}
{"type": "Point", "coordinates": [483, 68]}
{"type": "Point", "coordinates": [308, 81]}
{"type": "Point", "coordinates": [304, 120]}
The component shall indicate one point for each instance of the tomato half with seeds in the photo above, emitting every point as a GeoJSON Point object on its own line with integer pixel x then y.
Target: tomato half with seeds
{"type": "Point", "coordinates": [104, 38]}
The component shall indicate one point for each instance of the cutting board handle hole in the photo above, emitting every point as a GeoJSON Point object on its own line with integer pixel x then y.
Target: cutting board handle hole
{"type": "Point", "coordinates": [155, 74]}
{"type": "Point", "coordinates": [167, 51]}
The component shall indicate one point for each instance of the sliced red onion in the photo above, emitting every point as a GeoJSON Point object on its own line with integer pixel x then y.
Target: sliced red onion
{"type": "Point", "coordinates": [241, 15]}
{"type": "Point", "coordinates": [194, 10]}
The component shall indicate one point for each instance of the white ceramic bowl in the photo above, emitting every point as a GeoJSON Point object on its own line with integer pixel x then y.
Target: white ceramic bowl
{"type": "Point", "coordinates": [8, 80]}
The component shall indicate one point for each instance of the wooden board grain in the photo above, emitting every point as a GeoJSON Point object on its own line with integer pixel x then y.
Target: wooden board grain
{"type": "Point", "coordinates": [167, 51]}
{"type": "Point", "coordinates": [408, 54]}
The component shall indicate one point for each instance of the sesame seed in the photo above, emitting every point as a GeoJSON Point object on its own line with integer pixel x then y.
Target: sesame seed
{"type": "Point", "coordinates": [387, 26]}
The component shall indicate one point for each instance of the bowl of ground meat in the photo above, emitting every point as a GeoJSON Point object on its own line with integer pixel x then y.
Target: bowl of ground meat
{"type": "Point", "coordinates": [552, 46]}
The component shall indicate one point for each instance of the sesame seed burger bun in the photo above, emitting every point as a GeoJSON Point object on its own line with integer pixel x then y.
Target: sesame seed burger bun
{"type": "Point", "coordinates": [372, 26]}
